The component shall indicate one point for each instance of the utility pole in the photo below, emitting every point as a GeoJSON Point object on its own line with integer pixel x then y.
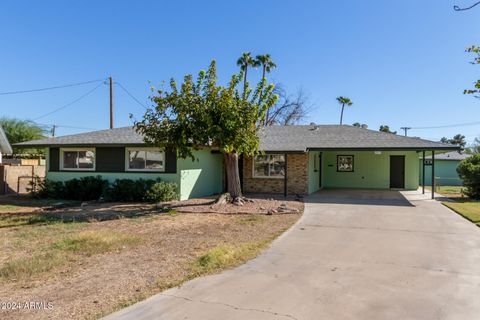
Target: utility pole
{"type": "Point", "coordinates": [53, 131]}
{"type": "Point", "coordinates": [111, 102]}
{"type": "Point", "coordinates": [406, 129]}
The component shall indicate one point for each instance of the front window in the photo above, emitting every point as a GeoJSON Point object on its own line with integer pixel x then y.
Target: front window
{"type": "Point", "coordinates": [150, 159]}
{"type": "Point", "coordinates": [269, 166]}
{"type": "Point", "coordinates": [78, 159]}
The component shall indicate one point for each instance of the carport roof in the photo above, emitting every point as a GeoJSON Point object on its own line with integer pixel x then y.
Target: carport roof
{"type": "Point", "coordinates": [298, 138]}
{"type": "Point", "coordinates": [340, 137]}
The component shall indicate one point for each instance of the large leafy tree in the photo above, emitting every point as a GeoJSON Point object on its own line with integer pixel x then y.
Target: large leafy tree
{"type": "Point", "coordinates": [343, 101]}
{"type": "Point", "coordinates": [22, 130]}
{"type": "Point", "coordinates": [200, 113]}
{"type": "Point", "coordinates": [476, 60]}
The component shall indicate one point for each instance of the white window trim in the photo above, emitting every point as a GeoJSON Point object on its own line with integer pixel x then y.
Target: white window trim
{"type": "Point", "coordinates": [266, 177]}
{"type": "Point", "coordinates": [127, 159]}
{"type": "Point", "coordinates": [62, 167]}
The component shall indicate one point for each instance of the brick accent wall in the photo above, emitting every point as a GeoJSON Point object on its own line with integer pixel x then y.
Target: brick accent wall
{"type": "Point", "coordinates": [297, 177]}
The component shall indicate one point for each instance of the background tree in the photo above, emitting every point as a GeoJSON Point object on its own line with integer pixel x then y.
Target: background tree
{"type": "Point", "coordinates": [201, 113]}
{"type": "Point", "coordinates": [265, 61]}
{"type": "Point", "coordinates": [475, 148]}
{"type": "Point", "coordinates": [457, 140]}
{"type": "Point", "coordinates": [244, 62]}
{"type": "Point", "coordinates": [289, 109]}
{"type": "Point", "coordinates": [386, 128]}
{"type": "Point", "coordinates": [469, 172]}
{"type": "Point", "coordinates": [344, 101]}
{"type": "Point", "coordinates": [22, 130]}
{"type": "Point", "coordinates": [476, 60]}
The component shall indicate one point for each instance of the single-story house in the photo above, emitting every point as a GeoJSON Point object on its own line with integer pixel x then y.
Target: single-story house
{"type": "Point", "coordinates": [298, 159]}
{"type": "Point", "coordinates": [5, 147]}
{"type": "Point", "coordinates": [445, 168]}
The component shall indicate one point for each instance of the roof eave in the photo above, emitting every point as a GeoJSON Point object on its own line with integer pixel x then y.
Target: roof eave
{"type": "Point", "coordinates": [385, 149]}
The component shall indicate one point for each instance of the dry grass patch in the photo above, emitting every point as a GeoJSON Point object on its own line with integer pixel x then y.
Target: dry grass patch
{"type": "Point", "coordinates": [96, 242]}
{"type": "Point", "coordinates": [61, 252]}
{"type": "Point", "coordinates": [26, 268]}
{"type": "Point", "coordinates": [90, 269]}
{"type": "Point", "coordinates": [227, 256]}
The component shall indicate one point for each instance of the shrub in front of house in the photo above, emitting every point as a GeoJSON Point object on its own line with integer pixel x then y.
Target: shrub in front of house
{"type": "Point", "coordinates": [162, 191]}
{"type": "Point", "coordinates": [126, 190]}
{"type": "Point", "coordinates": [95, 188]}
{"type": "Point", "coordinates": [469, 172]}
{"type": "Point", "coordinates": [47, 189]}
{"type": "Point", "coordinates": [85, 188]}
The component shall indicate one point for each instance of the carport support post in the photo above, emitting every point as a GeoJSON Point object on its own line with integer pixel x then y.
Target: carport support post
{"type": "Point", "coordinates": [423, 172]}
{"type": "Point", "coordinates": [433, 174]}
{"type": "Point", "coordinates": [285, 177]}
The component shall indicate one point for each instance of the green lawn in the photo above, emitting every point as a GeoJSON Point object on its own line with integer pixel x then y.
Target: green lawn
{"type": "Point", "coordinates": [449, 191]}
{"type": "Point", "coordinates": [468, 210]}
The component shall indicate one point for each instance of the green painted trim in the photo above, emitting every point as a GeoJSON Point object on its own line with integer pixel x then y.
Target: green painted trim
{"type": "Point", "coordinates": [372, 171]}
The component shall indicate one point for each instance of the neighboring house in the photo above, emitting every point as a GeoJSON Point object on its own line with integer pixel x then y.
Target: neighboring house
{"type": "Point", "coordinates": [5, 147]}
{"type": "Point", "coordinates": [445, 169]}
{"type": "Point", "coordinates": [295, 159]}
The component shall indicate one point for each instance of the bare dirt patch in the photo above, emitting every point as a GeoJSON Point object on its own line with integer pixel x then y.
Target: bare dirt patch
{"type": "Point", "coordinates": [100, 266]}
{"type": "Point", "coordinates": [267, 204]}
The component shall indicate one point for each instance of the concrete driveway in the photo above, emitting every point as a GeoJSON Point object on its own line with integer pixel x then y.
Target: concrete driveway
{"type": "Point", "coordinates": [355, 254]}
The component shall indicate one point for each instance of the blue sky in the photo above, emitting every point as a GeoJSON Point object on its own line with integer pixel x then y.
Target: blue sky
{"type": "Point", "coordinates": [401, 62]}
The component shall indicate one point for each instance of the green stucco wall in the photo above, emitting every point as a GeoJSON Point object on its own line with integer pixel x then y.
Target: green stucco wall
{"type": "Point", "coordinates": [195, 178]}
{"type": "Point", "coordinates": [313, 171]}
{"type": "Point", "coordinates": [445, 171]}
{"type": "Point", "coordinates": [202, 177]}
{"type": "Point", "coordinates": [371, 171]}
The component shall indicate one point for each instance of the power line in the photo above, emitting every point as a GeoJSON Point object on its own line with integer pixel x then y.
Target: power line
{"type": "Point", "coordinates": [131, 95]}
{"type": "Point", "coordinates": [68, 104]}
{"type": "Point", "coordinates": [65, 126]}
{"type": "Point", "coordinates": [51, 88]}
{"type": "Point", "coordinates": [457, 8]}
{"type": "Point", "coordinates": [448, 126]}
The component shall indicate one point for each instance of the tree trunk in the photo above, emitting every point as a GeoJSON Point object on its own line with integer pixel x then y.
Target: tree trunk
{"type": "Point", "coordinates": [245, 79]}
{"type": "Point", "coordinates": [341, 115]}
{"type": "Point", "coordinates": [268, 110]}
{"type": "Point", "coordinates": [233, 175]}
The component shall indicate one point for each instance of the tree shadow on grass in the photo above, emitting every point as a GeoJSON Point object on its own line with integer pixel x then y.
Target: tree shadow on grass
{"type": "Point", "coordinates": [89, 213]}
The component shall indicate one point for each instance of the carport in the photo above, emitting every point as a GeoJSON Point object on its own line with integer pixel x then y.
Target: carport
{"type": "Point", "coordinates": [305, 159]}
{"type": "Point", "coordinates": [381, 168]}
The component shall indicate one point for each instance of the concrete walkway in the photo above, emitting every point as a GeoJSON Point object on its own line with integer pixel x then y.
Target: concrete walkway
{"type": "Point", "coordinates": [355, 254]}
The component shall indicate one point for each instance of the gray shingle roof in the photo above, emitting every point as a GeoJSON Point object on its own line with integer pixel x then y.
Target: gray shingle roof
{"type": "Point", "coordinates": [274, 138]}
{"type": "Point", "coordinates": [337, 137]}
{"type": "Point", "coordinates": [118, 136]}
{"type": "Point", "coordinates": [453, 156]}
{"type": "Point", "coordinates": [5, 147]}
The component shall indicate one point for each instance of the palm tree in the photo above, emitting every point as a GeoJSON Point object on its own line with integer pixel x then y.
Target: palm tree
{"type": "Point", "coordinates": [265, 61]}
{"type": "Point", "coordinates": [344, 101]}
{"type": "Point", "coordinates": [244, 62]}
